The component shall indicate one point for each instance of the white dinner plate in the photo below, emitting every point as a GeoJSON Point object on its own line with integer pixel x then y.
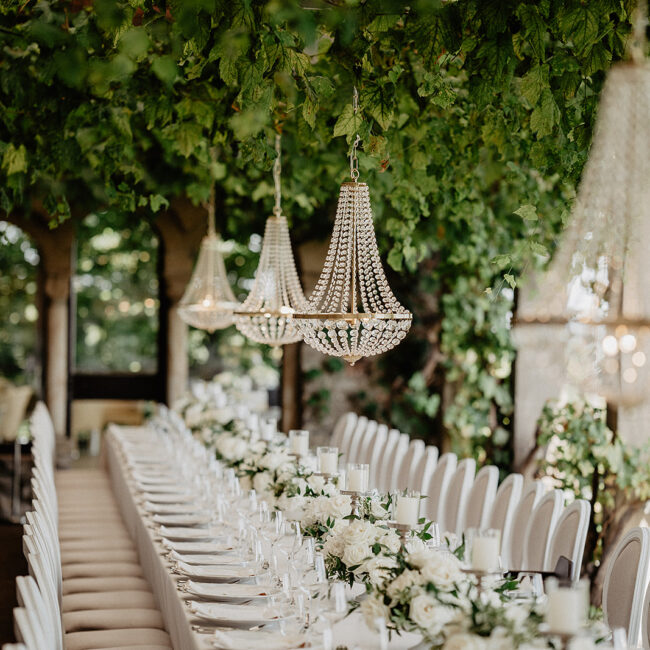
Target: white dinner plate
{"type": "Point", "coordinates": [167, 498]}
{"type": "Point", "coordinates": [185, 533]}
{"type": "Point", "coordinates": [199, 548]}
{"type": "Point", "coordinates": [161, 489]}
{"type": "Point", "coordinates": [258, 640]}
{"type": "Point", "coordinates": [170, 508]}
{"type": "Point", "coordinates": [185, 519]}
{"type": "Point", "coordinates": [209, 560]}
{"type": "Point", "coordinates": [215, 573]}
{"type": "Point", "coordinates": [233, 592]}
{"type": "Point", "coordinates": [236, 615]}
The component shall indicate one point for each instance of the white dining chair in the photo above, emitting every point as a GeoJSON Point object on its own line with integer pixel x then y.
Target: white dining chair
{"type": "Point", "coordinates": [385, 460]}
{"type": "Point", "coordinates": [503, 512]}
{"type": "Point", "coordinates": [425, 468]}
{"type": "Point", "coordinates": [368, 443]}
{"type": "Point", "coordinates": [437, 489]}
{"type": "Point", "coordinates": [406, 475]}
{"type": "Point", "coordinates": [395, 467]}
{"type": "Point", "coordinates": [14, 646]}
{"type": "Point", "coordinates": [645, 619]}
{"type": "Point", "coordinates": [376, 454]}
{"type": "Point", "coordinates": [570, 536]}
{"type": "Point", "coordinates": [343, 427]}
{"type": "Point", "coordinates": [368, 431]}
{"type": "Point", "coordinates": [28, 630]}
{"type": "Point", "coordinates": [530, 497]}
{"type": "Point", "coordinates": [626, 582]}
{"type": "Point", "coordinates": [481, 498]}
{"type": "Point", "coordinates": [540, 529]}
{"type": "Point", "coordinates": [349, 436]}
{"type": "Point", "coordinates": [457, 495]}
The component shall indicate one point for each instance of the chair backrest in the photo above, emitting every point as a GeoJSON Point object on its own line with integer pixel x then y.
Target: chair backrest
{"type": "Point", "coordinates": [386, 459]}
{"type": "Point", "coordinates": [31, 599]}
{"type": "Point", "coordinates": [28, 630]}
{"type": "Point", "coordinates": [343, 425]}
{"type": "Point", "coordinates": [424, 469]}
{"type": "Point", "coordinates": [457, 495]}
{"type": "Point", "coordinates": [503, 512]}
{"type": "Point", "coordinates": [376, 454]}
{"type": "Point", "coordinates": [570, 536]}
{"type": "Point", "coordinates": [645, 620]}
{"type": "Point", "coordinates": [360, 435]}
{"type": "Point", "coordinates": [395, 467]}
{"type": "Point", "coordinates": [369, 441]}
{"type": "Point", "coordinates": [349, 436]}
{"type": "Point", "coordinates": [481, 498]}
{"type": "Point", "coordinates": [626, 581]}
{"type": "Point", "coordinates": [436, 491]}
{"type": "Point", "coordinates": [44, 580]}
{"type": "Point", "coordinates": [406, 479]}
{"type": "Point", "coordinates": [530, 497]}
{"type": "Point", "coordinates": [540, 529]}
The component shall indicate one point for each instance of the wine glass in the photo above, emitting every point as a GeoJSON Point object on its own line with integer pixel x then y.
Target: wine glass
{"type": "Point", "coordinates": [335, 602]}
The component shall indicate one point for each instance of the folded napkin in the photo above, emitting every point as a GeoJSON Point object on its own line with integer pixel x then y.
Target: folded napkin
{"type": "Point", "coordinates": [254, 640]}
{"type": "Point", "coordinates": [236, 614]}
{"type": "Point", "coordinates": [199, 548]}
{"type": "Point", "coordinates": [170, 508]}
{"type": "Point", "coordinates": [212, 572]}
{"type": "Point", "coordinates": [205, 560]}
{"type": "Point", "coordinates": [230, 591]}
{"type": "Point", "coordinates": [167, 498]}
{"type": "Point", "coordinates": [186, 519]}
{"type": "Point", "coordinates": [182, 532]}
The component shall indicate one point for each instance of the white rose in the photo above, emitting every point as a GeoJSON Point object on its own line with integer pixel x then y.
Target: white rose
{"type": "Point", "coordinates": [330, 490]}
{"type": "Point", "coordinates": [465, 641]}
{"type": "Point", "coordinates": [293, 507]}
{"type": "Point", "coordinates": [316, 483]}
{"type": "Point", "coordinates": [442, 569]}
{"type": "Point", "coordinates": [373, 608]}
{"type": "Point", "coordinates": [499, 640]}
{"type": "Point", "coordinates": [274, 460]}
{"type": "Point", "coordinates": [262, 482]}
{"type": "Point", "coordinates": [338, 506]}
{"type": "Point", "coordinates": [377, 568]}
{"type": "Point", "coordinates": [581, 643]}
{"type": "Point", "coordinates": [404, 581]}
{"type": "Point", "coordinates": [334, 545]}
{"type": "Point", "coordinates": [390, 539]}
{"type": "Point", "coordinates": [362, 532]}
{"type": "Point", "coordinates": [355, 554]}
{"type": "Point", "coordinates": [431, 616]}
{"type": "Point", "coordinates": [378, 511]}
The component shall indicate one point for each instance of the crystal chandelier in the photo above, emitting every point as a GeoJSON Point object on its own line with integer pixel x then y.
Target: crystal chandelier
{"type": "Point", "coordinates": [266, 316]}
{"type": "Point", "coordinates": [208, 302]}
{"type": "Point", "coordinates": [596, 293]}
{"type": "Point", "coordinates": [334, 322]}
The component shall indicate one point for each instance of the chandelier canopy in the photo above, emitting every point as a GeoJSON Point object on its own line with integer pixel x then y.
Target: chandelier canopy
{"type": "Point", "coordinates": [208, 302]}
{"type": "Point", "coordinates": [352, 312]}
{"type": "Point", "coordinates": [597, 288]}
{"type": "Point", "coordinates": [266, 316]}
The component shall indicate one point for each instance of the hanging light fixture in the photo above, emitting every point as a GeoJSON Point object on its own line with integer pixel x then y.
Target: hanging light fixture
{"type": "Point", "coordinates": [352, 312]}
{"type": "Point", "coordinates": [266, 316]}
{"type": "Point", "coordinates": [596, 294]}
{"type": "Point", "coordinates": [208, 302]}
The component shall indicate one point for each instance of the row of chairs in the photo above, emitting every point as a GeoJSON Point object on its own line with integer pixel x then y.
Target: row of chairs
{"type": "Point", "coordinates": [85, 587]}
{"type": "Point", "coordinates": [536, 529]}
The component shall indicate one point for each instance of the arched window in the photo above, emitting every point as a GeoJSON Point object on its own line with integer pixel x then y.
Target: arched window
{"type": "Point", "coordinates": [118, 330]}
{"type": "Point", "coordinates": [20, 302]}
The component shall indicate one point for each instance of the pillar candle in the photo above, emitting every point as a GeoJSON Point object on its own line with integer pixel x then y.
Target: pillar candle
{"type": "Point", "coordinates": [328, 461]}
{"type": "Point", "coordinates": [407, 510]}
{"type": "Point", "coordinates": [357, 480]}
{"type": "Point", "coordinates": [485, 552]}
{"type": "Point", "coordinates": [300, 444]}
{"type": "Point", "coordinates": [565, 614]}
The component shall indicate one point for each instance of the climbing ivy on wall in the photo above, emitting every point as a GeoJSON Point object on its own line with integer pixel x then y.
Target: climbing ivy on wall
{"type": "Point", "coordinates": [475, 121]}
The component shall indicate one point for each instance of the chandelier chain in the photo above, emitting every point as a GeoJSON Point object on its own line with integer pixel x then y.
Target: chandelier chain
{"type": "Point", "coordinates": [354, 161]}
{"type": "Point", "coordinates": [277, 172]}
{"type": "Point", "coordinates": [211, 212]}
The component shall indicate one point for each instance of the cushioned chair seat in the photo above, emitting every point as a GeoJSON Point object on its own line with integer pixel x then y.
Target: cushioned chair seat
{"type": "Point", "coordinates": [112, 543]}
{"type": "Point", "coordinates": [89, 522]}
{"type": "Point", "coordinates": [101, 569]}
{"type": "Point", "coordinates": [105, 555]}
{"type": "Point", "coordinates": [112, 619]}
{"type": "Point", "coordinates": [94, 532]}
{"type": "Point", "coordinates": [108, 600]}
{"type": "Point", "coordinates": [116, 638]}
{"type": "Point", "coordinates": [114, 583]}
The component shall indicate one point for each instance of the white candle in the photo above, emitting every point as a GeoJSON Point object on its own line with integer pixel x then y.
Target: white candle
{"type": "Point", "coordinates": [407, 511]}
{"type": "Point", "coordinates": [485, 552]}
{"type": "Point", "coordinates": [357, 480]}
{"type": "Point", "coordinates": [565, 614]}
{"type": "Point", "coordinates": [300, 444]}
{"type": "Point", "coordinates": [328, 461]}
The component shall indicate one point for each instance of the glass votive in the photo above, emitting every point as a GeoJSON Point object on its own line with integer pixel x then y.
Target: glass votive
{"type": "Point", "coordinates": [407, 508]}
{"type": "Point", "coordinates": [299, 442]}
{"type": "Point", "coordinates": [328, 459]}
{"type": "Point", "coordinates": [268, 428]}
{"type": "Point", "coordinates": [484, 548]}
{"type": "Point", "coordinates": [357, 477]}
{"type": "Point", "coordinates": [566, 607]}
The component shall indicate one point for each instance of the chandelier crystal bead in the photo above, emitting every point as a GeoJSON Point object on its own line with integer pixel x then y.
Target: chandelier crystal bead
{"type": "Point", "coordinates": [208, 302]}
{"type": "Point", "coordinates": [266, 316]}
{"type": "Point", "coordinates": [595, 293]}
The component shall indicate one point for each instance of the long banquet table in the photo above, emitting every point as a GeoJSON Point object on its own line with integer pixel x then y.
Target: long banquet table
{"type": "Point", "coordinates": [351, 632]}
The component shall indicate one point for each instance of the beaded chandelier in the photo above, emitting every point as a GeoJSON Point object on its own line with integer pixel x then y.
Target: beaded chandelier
{"type": "Point", "coordinates": [266, 316]}
{"type": "Point", "coordinates": [595, 293]}
{"type": "Point", "coordinates": [352, 312]}
{"type": "Point", "coordinates": [208, 302]}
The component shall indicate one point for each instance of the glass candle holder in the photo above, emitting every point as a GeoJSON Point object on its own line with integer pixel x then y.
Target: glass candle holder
{"type": "Point", "coordinates": [358, 475]}
{"type": "Point", "coordinates": [299, 442]}
{"type": "Point", "coordinates": [484, 549]}
{"type": "Point", "coordinates": [567, 607]}
{"type": "Point", "coordinates": [328, 459]}
{"type": "Point", "coordinates": [407, 508]}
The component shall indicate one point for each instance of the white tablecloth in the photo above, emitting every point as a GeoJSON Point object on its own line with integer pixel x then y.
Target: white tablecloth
{"type": "Point", "coordinates": [178, 619]}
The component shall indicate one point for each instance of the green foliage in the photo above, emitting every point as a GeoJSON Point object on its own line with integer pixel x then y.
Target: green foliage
{"type": "Point", "coordinates": [468, 111]}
